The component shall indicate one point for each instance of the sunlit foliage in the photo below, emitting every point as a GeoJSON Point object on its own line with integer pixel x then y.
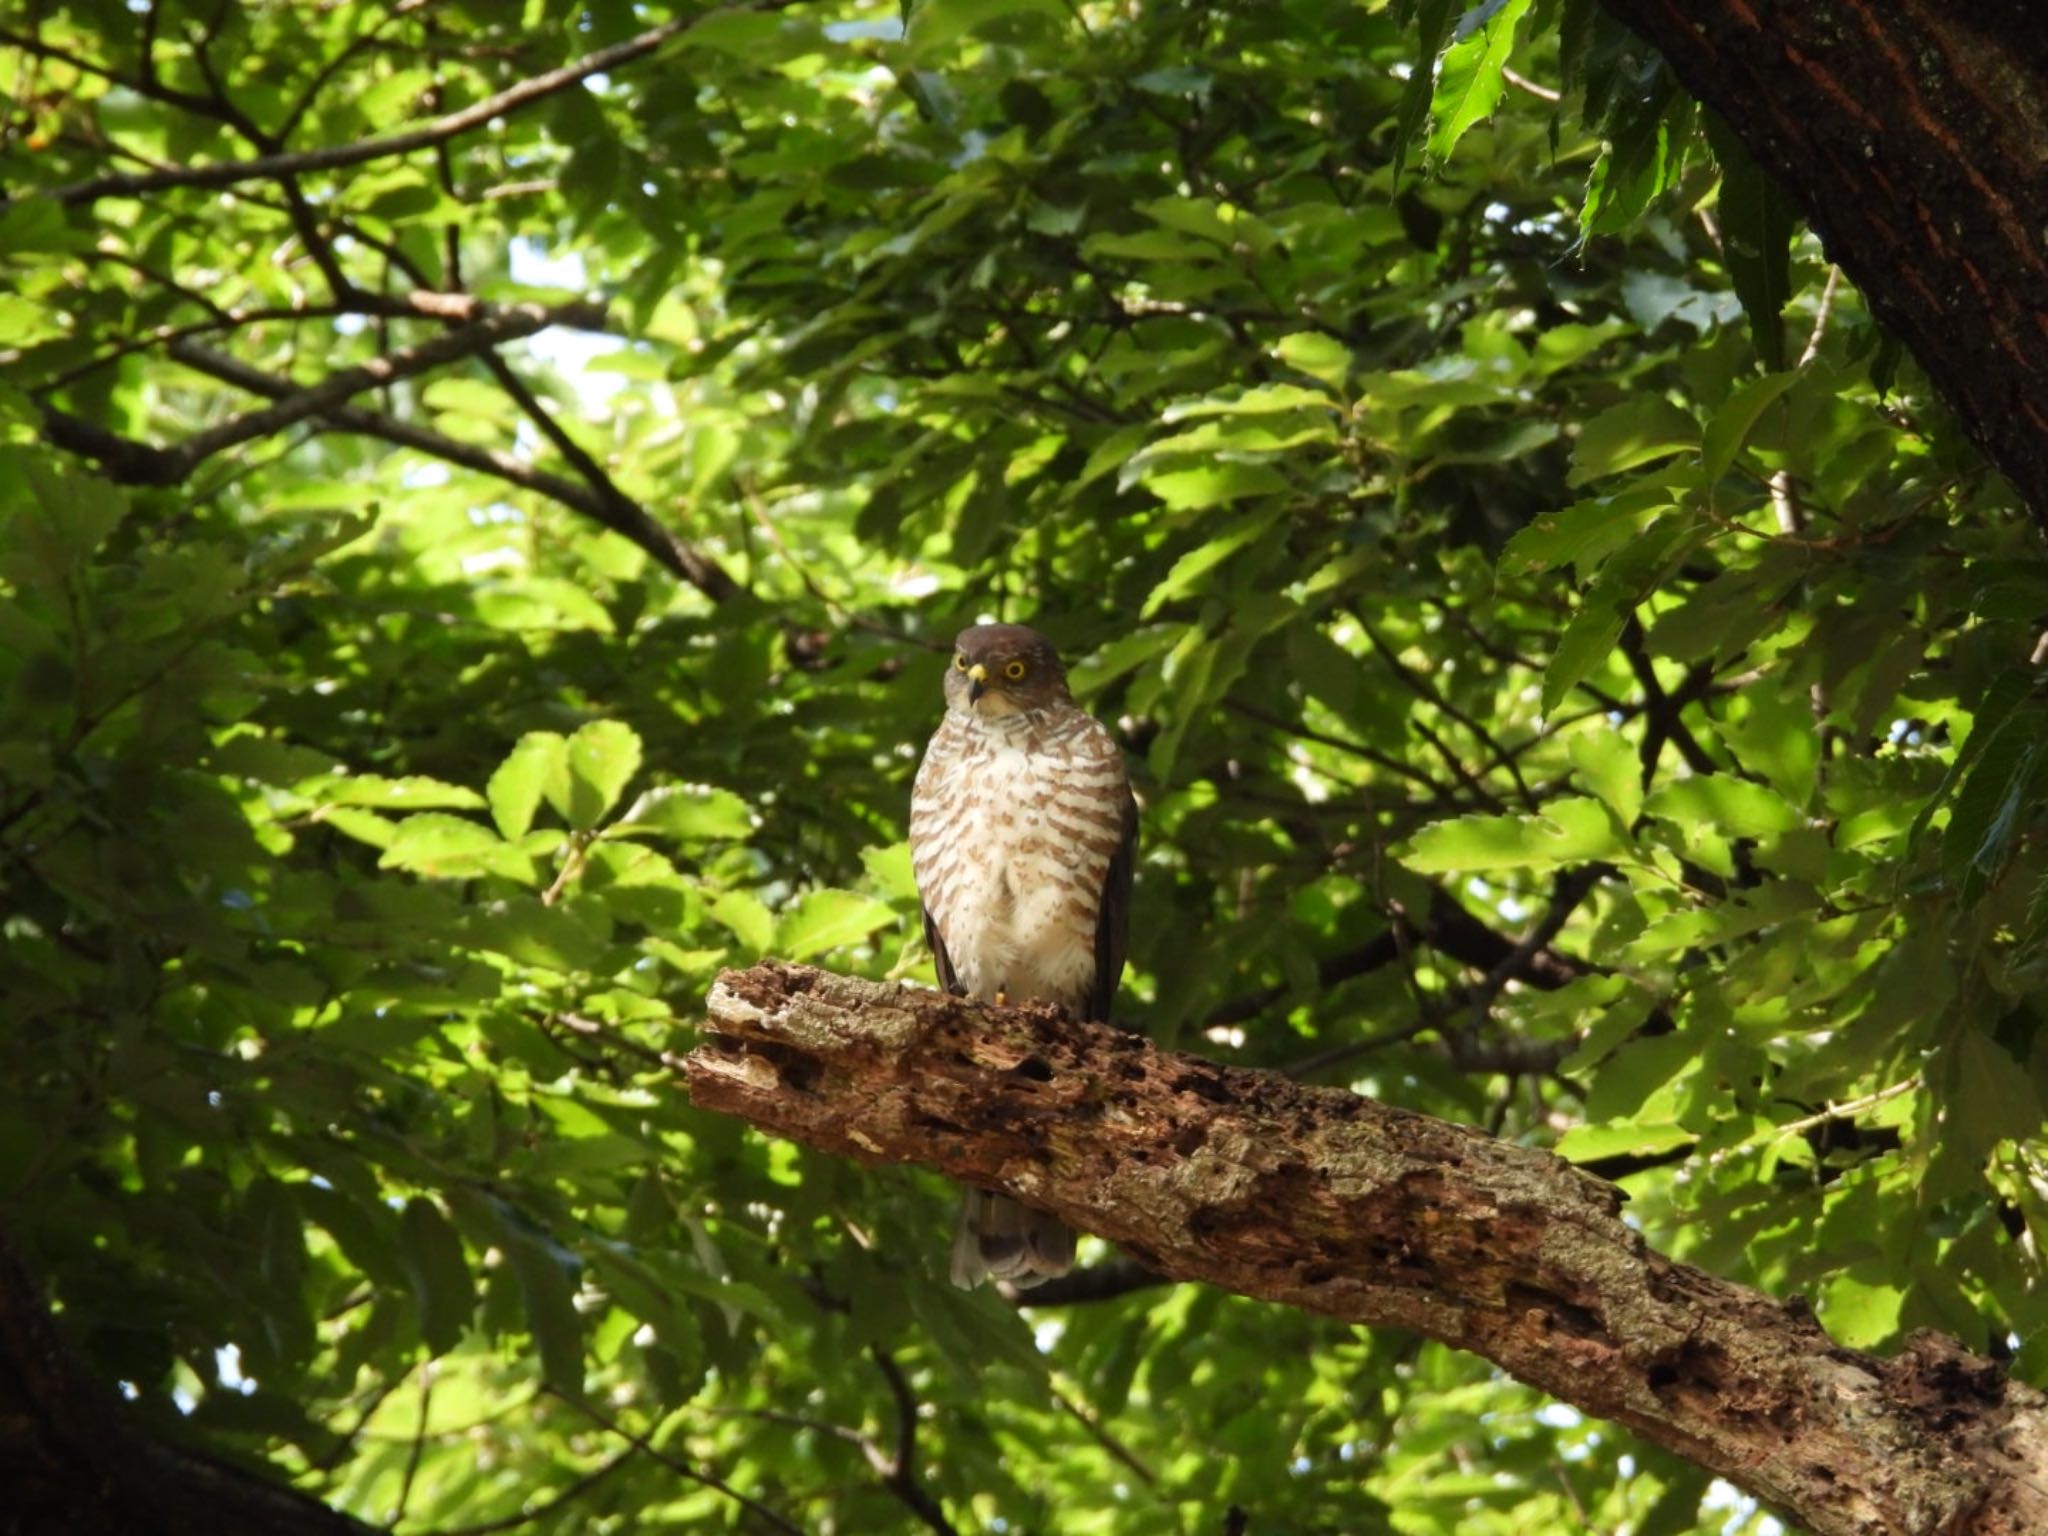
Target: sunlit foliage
{"type": "Point", "coordinates": [1561, 699]}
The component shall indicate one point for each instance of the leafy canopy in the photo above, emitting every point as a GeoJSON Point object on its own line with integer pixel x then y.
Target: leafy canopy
{"type": "Point", "coordinates": [1483, 515]}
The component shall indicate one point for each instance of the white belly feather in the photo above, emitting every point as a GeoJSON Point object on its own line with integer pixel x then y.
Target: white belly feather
{"type": "Point", "coordinates": [1013, 872]}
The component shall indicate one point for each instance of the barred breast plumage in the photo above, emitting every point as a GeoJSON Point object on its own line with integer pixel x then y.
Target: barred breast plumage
{"type": "Point", "coordinates": [1022, 835]}
{"type": "Point", "coordinates": [1013, 825]}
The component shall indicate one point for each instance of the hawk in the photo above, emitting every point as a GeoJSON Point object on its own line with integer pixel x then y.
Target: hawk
{"type": "Point", "coordinates": [1022, 835]}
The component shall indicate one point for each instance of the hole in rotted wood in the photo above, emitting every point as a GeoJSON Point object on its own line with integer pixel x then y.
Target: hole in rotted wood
{"type": "Point", "coordinates": [1562, 1316]}
{"type": "Point", "coordinates": [1318, 1274]}
{"type": "Point", "coordinates": [935, 1123]}
{"type": "Point", "coordinates": [1131, 1071]}
{"type": "Point", "coordinates": [1036, 1068]}
{"type": "Point", "coordinates": [1203, 1086]}
{"type": "Point", "coordinates": [1188, 1140]}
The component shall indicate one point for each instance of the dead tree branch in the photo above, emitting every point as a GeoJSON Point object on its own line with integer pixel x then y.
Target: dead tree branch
{"type": "Point", "coordinates": [1325, 1200]}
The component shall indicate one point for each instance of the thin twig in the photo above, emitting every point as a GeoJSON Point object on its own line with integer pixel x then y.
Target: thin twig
{"type": "Point", "coordinates": [549, 1505]}
{"type": "Point", "coordinates": [630, 522]}
{"type": "Point", "coordinates": [228, 173]}
{"type": "Point", "coordinates": [681, 1468]}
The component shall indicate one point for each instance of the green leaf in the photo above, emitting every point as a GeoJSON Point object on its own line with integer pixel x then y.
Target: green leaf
{"type": "Point", "coordinates": [413, 793]}
{"type": "Point", "coordinates": [1732, 423]}
{"type": "Point", "coordinates": [1570, 830]}
{"type": "Point", "coordinates": [936, 25]}
{"type": "Point", "coordinates": [1584, 533]}
{"type": "Point", "coordinates": [1860, 1313]}
{"type": "Point", "coordinates": [1606, 763]}
{"type": "Point", "coordinates": [1984, 823]}
{"type": "Point", "coordinates": [822, 920]}
{"type": "Point", "coordinates": [1190, 490]}
{"type": "Point", "coordinates": [750, 922]}
{"type": "Point", "coordinates": [1432, 22]}
{"type": "Point", "coordinates": [601, 757]}
{"type": "Point", "coordinates": [1319, 356]}
{"type": "Point", "coordinates": [1720, 800]}
{"type": "Point", "coordinates": [1217, 547]}
{"type": "Point", "coordinates": [516, 786]}
{"type": "Point", "coordinates": [447, 847]}
{"type": "Point", "coordinates": [442, 1290]}
{"type": "Point", "coordinates": [1757, 224]}
{"type": "Point", "coordinates": [1626, 436]}
{"type": "Point", "coordinates": [689, 813]}
{"type": "Point", "coordinates": [548, 1275]}
{"type": "Point", "coordinates": [1469, 82]}
{"type": "Point", "coordinates": [1585, 1143]}
{"type": "Point", "coordinates": [1587, 642]}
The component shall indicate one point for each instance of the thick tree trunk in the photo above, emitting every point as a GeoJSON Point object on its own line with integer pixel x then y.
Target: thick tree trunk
{"type": "Point", "coordinates": [1914, 134]}
{"type": "Point", "coordinates": [1325, 1200]}
{"type": "Point", "coordinates": [73, 1459]}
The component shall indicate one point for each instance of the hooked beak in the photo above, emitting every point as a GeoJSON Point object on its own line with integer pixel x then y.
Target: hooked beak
{"type": "Point", "coordinates": [977, 683]}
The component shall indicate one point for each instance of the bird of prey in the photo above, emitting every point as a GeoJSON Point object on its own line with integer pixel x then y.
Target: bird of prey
{"type": "Point", "coordinates": [1022, 835]}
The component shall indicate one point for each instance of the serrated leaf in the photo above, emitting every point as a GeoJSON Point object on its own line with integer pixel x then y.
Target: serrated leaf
{"type": "Point", "coordinates": [599, 760]}
{"type": "Point", "coordinates": [1757, 224]}
{"type": "Point", "coordinates": [438, 1273]}
{"type": "Point", "coordinates": [1722, 801]}
{"type": "Point", "coordinates": [518, 782]}
{"type": "Point", "coordinates": [1584, 533]}
{"type": "Point", "coordinates": [1606, 763]}
{"type": "Point", "coordinates": [1187, 572]}
{"type": "Point", "coordinates": [2008, 691]}
{"type": "Point", "coordinates": [1588, 640]}
{"type": "Point", "coordinates": [1984, 821]}
{"type": "Point", "coordinates": [1736, 419]}
{"type": "Point", "coordinates": [1469, 82]}
{"type": "Point", "coordinates": [1631, 434]}
{"type": "Point", "coordinates": [1568, 831]}
{"type": "Point", "coordinates": [1432, 24]}
{"type": "Point", "coordinates": [822, 920]}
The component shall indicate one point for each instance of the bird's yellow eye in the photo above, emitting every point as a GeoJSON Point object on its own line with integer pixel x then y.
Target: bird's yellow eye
{"type": "Point", "coordinates": [959, 662]}
{"type": "Point", "coordinates": [1014, 670]}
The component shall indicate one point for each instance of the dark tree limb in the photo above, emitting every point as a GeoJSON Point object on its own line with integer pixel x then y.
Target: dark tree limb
{"type": "Point", "coordinates": [627, 519]}
{"type": "Point", "coordinates": [1338, 1204]}
{"type": "Point", "coordinates": [139, 463]}
{"type": "Point", "coordinates": [73, 1458]}
{"type": "Point", "coordinates": [1914, 135]}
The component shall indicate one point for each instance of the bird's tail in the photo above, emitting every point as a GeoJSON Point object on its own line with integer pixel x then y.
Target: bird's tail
{"type": "Point", "coordinates": [999, 1239]}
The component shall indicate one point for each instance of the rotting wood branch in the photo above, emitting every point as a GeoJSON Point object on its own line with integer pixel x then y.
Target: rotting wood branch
{"type": "Point", "coordinates": [1325, 1200]}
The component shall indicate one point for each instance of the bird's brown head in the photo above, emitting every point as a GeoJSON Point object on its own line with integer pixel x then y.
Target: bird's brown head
{"type": "Point", "coordinates": [1004, 669]}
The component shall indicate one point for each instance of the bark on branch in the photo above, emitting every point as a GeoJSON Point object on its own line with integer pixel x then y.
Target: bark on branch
{"type": "Point", "coordinates": [73, 1456]}
{"type": "Point", "coordinates": [1325, 1200]}
{"type": "Point", "coordinates": [1914, 134]}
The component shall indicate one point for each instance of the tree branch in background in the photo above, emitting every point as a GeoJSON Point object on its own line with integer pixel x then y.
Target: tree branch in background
{"type": "Point", "coordinates": [228, 173]}
{"type": "Point", "coordinates": [136, 463]}
{"type": "Point", "coordinates": [1343, 1206]}
{"type": "Point", "coordinates": [626, 518]}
